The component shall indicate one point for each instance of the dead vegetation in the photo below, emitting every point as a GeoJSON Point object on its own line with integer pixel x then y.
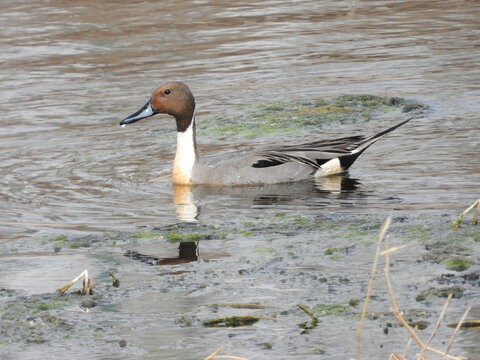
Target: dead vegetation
{"type": "Point", "coordinates": [87, 284]}
{"type": "Point", "coordinates": [215, 355]}
{"type": "Point", "coordinates": [476, 206]}
{"type": "Point", "coordinates": [424, 348]}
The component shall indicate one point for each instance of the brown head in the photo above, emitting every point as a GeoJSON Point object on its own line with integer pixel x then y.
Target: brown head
{"type": "Point", "coordinates": [173, 98]}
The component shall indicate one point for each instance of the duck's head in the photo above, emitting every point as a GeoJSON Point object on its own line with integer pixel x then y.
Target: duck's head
{"type": "Point", "coordinates": [173, 98]}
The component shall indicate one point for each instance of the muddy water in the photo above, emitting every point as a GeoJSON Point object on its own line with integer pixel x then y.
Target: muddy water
{"type": "Point", "coordinates": [70, 71]}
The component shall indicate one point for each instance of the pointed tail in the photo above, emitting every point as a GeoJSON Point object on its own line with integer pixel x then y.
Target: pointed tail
{"type": "Point", "coordinates": [361, 146]}
{"type": "Point", "coordinates": [365, 143]}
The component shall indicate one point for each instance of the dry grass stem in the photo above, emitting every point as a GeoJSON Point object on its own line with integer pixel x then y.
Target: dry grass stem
{"type": "Point", "coordinates": [215, 355]}
{"type": "Point", "coordinates": [475, 217]}
{"type": "Point", "coordinates": [456, 331]}
{"type": "Point", "coordinates": [393, 249]}
{"type": "Point", "coordinates": [370, 283]}
{"type": "Point", "coordinates": [439, 321]}
{"type": "Point", "coordinates": [409, 342]}
{"type": "Point", "coordinates": [475, 205]}
{"type": "Point", "coordinates": [395, 357]}
{"type": "Point", "coordinates": [400, 318]}
{"type": "Point", "coordinates": [212, 355]}
{"type": "Point", "coordinates": [87, 284]}
{"type": "Point", "coordinates": [115, 282]}
{"type": "Point", "coordinates": [404, 354]}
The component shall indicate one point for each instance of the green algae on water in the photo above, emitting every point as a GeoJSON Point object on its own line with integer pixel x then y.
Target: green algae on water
{"type": "Point", "coordinates": [175, 236]}
{"type": "Point", "coordinates": [300, 117]}
{"type": "Point", "coordinates": [456, 291]}
{"type": "Point", "coordinates": [457, 264]}
{"type": "Point", "coordinates": [144, 235]}
{"type": "Point", "coordinates": [328, 310]}
{"type": "Point", "coordinates": [265, 251]}
{"type": "Point", "coordinates": [45, 306]}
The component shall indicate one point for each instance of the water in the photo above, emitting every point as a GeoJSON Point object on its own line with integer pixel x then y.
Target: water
{"type": "Point", "coordinates": [69, 72]}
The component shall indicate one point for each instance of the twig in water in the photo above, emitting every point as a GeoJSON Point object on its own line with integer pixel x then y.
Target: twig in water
{"type": "Point", "coordinates": [234, 321]}
{"type": "Point", "coordinates": [476, 205]}
{"type": "Point", "coordinates": [370, 283]}
{"type": "Point", "coordinates": [473, 324]}
{"type": "Point", "coordinates": [116, 282]}
{"type": "Point", "coordinates": [87, 284]}
{"type": "Point", "coordinates": [477, 212]}
{"type": "Point", "coordinates": [309, 313]}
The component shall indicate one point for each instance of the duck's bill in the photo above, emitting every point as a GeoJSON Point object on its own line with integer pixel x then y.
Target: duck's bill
{"type": "Point", "coordinates": [145, 112]}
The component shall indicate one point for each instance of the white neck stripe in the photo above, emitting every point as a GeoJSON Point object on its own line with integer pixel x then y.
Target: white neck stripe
{"type": "Point", "coordinates": [186, 154]}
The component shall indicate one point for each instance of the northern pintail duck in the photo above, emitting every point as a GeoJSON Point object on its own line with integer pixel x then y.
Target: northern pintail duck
{"type": "Point", "coordinates": [277, 164]}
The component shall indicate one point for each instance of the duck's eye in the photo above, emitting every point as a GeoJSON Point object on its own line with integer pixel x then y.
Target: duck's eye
{"type": "Point", "coordinates": [167, 91]}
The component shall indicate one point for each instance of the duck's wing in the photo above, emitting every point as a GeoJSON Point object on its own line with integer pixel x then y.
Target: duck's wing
{"type": "Point", "coordinates": [318, 153]}
{"type": "Point", "coordinates": [314, 153]}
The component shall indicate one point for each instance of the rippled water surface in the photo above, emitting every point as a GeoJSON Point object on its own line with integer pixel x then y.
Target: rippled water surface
{"type": "Point", "coordinates": [70, 71]}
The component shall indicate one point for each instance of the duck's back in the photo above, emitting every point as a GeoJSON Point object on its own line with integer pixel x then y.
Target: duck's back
{"type": "Point", "coordinates": [245, 169]}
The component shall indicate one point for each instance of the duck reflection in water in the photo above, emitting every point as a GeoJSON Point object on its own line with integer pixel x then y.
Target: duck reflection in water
{"type": "Point", "coordinates": [185, 199]}
{"type": "Point", "coordinates": [187, 252]}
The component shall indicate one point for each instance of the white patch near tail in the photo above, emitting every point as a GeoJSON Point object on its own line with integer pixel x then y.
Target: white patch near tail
{"type": "Point", "coordinates": [332, 166]}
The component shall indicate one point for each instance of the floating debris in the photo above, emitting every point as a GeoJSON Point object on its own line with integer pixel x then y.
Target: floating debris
{"type": "Point", "coordinates": [234, 321]}
{"type": "Point", "coordinates": [398, 315]}
{"type": "Point", "coordinates": [87, 284]}
{"type": "Point", "coordinates": [216, 352]}
{"type": "Point", "coordinates": [241, 306]}
{"type": "Point", "coordinates": [314, 322]}
{"type": "Point", "coordinates": [476, 206]}
{"type": "Point", "coordinates": [116, 282]}
{"type": "Point", "coordinates": [424, 346]}
{"type": "Point", "coordinates": [469, 324]}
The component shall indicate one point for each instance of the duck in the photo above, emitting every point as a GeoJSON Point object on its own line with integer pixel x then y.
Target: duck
{"type": "Point", "coordinates": [271, 165]}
